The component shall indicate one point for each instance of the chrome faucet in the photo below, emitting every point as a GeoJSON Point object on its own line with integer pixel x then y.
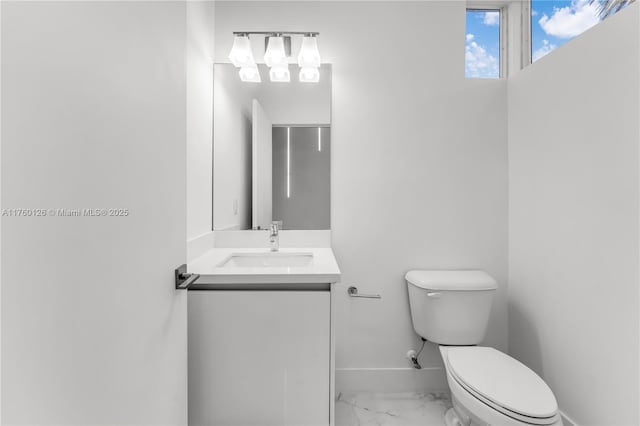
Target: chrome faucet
{"type": "Point", "coordinates": [274, 238]}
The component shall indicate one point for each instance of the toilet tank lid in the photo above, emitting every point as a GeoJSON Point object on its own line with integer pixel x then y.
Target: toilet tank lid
{"type": "Point", "coordinates": [452, 280]}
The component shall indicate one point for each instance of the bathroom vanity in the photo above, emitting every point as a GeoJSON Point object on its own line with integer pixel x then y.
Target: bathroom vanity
{"type": "Point", "coordinates": [261, 340]}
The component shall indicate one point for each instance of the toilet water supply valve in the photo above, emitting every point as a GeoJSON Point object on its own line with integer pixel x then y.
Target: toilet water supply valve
{"type": "Point", "coordinates": [413, 356]}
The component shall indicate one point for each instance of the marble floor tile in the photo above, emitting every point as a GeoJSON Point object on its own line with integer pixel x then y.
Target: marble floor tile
{"type": "Point", "coordinates": [406, 409]}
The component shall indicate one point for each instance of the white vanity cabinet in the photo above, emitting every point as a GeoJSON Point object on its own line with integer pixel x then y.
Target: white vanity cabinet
{"type": "Point", "coordinates": [259, 357]}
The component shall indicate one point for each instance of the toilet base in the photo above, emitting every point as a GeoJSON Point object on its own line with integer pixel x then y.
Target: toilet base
{"type": "Point", "coordinates": [451, 418]}
{"type": "Point", "coordinates": [460, 416]}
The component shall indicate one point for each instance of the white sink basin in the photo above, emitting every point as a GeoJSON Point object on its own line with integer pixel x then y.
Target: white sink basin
{"type": "Point", "coordinates": [267, 260]}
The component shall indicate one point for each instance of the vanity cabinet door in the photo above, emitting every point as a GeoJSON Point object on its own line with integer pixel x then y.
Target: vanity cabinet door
{"type": "Point", "coordinates": [259, 357]}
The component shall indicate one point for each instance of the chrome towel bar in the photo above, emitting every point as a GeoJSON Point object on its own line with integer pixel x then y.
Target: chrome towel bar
{"type": "Point", "coordinates": [353, 292]}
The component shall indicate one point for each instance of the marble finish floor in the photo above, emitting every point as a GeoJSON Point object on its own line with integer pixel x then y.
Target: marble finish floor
{"type": "Point", "coordinates": [406, 409]}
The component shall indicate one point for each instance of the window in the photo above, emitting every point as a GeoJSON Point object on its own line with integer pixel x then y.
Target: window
{"type": "Point", "coordinates": [554, 22]}
{"type": "Point", "coordinates": [483, 43]}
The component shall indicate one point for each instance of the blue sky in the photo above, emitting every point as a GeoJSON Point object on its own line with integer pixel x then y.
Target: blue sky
{"type": "Point", "coordinates": [553, 23]}
{"type": "Point", "coordinates": [482, 44]}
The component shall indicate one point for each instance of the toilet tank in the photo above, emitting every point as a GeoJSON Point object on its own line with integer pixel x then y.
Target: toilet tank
{"type": "Point", "coordinates": [450, 307]}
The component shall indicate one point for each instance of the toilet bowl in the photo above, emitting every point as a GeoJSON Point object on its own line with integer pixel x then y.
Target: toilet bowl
{"type": "Point", "coordinates": [488, 387]}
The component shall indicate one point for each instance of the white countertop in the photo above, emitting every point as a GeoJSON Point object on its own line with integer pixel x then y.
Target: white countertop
{"type": "Point", "coordinates": [322, 270]}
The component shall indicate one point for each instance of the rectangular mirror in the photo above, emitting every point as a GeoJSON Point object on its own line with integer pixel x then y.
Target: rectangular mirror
{"type": "Point", "coordinates": [271, 151]}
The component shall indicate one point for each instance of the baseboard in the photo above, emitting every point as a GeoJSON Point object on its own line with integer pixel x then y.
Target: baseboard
{"type": "Point", "coordinates": [199, 245]}
{"type": "Point", "coordinates": [390, 380]}
{"type": "Point", "coordinates": [566, 420]}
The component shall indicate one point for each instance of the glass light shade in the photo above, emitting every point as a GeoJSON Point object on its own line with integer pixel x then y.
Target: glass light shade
{"type": "Point", "coordinates": [275, 53]}
{"type": "Point", "coordinates": [280, 74]}
{"type": "Point", "coordinates": [241, 55]}
{"type": "Point", "coordinates": [309, 55]}
{"type": "Point", "coordinates": [250, 74]}
{"type": "Point", "coordinates": [309, 75]}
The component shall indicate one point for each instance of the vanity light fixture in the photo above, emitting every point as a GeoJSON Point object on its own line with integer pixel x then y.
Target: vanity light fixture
{"type": "Point", "coordinates": [242, 57]}
{"type": "Point", "coordinates": [241, 54]}
{"type": "Point", "coordinates": [276, 57]}
{"type": "Point", "coordinates": [309, 75]}
{"type": "Point", "coordinates": [275, 54]}
{"type": "Point", "coordinates": [280, 73]}
{"type": "Point", "coordinates": [309, 56]}
{"type": "Point", "coordinates": [250, 74]}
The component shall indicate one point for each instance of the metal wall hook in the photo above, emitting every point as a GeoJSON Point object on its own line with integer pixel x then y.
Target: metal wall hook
{"type": "Point", "coordinates": [353, 292]}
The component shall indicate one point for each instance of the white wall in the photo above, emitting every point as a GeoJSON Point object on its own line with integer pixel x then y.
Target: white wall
{"type": "Point", "coordinates": [93, 116]}
{"type": "Point", "coordinates": [419, 172]}
{"type": "Point", "coordinates": [199, 63]}
{"type": "Point", "coordinates": [573, 202]}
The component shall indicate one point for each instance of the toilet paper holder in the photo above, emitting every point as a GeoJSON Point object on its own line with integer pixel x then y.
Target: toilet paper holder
{"type": "Point", "coordinates": [353, 292]}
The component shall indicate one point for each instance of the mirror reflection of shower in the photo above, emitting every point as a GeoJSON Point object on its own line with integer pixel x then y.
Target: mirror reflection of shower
{"type": "Point", "coordinates": [301, 176]}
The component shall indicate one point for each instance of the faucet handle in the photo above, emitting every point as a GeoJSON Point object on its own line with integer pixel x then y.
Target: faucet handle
{"type": "Point", "coordinates": [275, 225]}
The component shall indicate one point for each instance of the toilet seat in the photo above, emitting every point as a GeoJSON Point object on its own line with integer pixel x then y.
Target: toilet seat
{"type": "Point", "coordinates": [502, 383]}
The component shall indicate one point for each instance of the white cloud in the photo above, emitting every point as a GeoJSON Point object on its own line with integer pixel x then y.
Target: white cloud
{"type": "Point", "coordinates": [534, 12]}
{"type": "Point", "coordinates": [491, 18]}
{"type": "Point", "coordinates": [569, 21]}
{"type": "Point", "coordinates": [545, 49]}
{"type": "Point", "coordinates": [470, 37]}
{"type": "Point", "coordinates": [478, 62]}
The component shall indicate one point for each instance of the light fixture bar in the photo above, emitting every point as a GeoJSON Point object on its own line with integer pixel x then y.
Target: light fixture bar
{"type": "Point", "coordinates": [302, 33]}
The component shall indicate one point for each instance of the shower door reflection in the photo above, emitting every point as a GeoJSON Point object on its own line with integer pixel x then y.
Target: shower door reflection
{"type": "Point", "coordinates": [301, 176]}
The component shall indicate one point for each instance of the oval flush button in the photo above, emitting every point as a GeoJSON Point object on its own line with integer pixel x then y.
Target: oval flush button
{"type": "Point", "coordinates": [434, 295]}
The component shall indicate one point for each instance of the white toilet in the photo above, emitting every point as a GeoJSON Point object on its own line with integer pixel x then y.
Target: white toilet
{"type": "Point", "coordinates": [488, 387]}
